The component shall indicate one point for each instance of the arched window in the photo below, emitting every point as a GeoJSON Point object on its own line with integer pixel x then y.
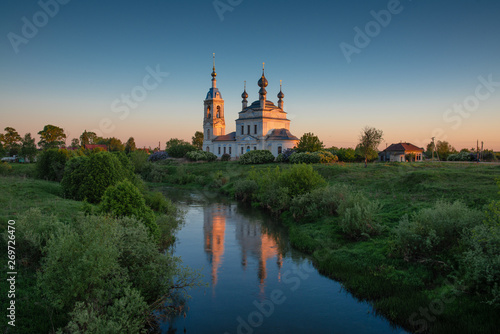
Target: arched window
{"type": "Point", "coordinates": [208, 134]}
{"type": "Point", "coordinates": [208, 112]}
{"type": "Point", "coordinates": [242, 150]}
{"type": "Point", "coordinates": [279, 149]}
{"type": "Point", "coordinates": [218, 111]}
{"type": "Point", "coordinates": [208, 149]}
{"type": "Point", "coordinates": [248, 148]}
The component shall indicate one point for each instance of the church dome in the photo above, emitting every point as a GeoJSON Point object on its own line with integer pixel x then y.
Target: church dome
{"type": "Point", "coordinates": [263, 91]}
{"type": "Point", "coordinates": [263, 81]}
{"type": "Point", "coordinates": [244, 95]}
{"type": "Point", "coordinates": [281, 95]}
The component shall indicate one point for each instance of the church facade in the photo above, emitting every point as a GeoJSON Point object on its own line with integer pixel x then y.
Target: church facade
{"type": "Point", "coordinates": [260, 125]}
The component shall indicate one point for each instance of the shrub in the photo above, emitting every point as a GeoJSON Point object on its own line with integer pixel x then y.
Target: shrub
{"type": "Point", "coordinates": [300, 179]}
{"type": "Point", "coordinates": [200, 156]}
{"type": "Point", "coordinates": [152, 172]}
{"type": "Point", "coordinates": [88, 177]}
{"type": "Point", "coordinates": [345, 154]}
{"type": "Point", "coordinates": [225, 157]}
{"type": "Point", "coordinates": [481, 263]}
{"type": "Point", "coordinates": [50, 164]}
{"type": "Point", "coordinates": [256, 157]}
{"type": "Point", "coordinates": [319, 202]}
{"type": "Point", "coordinates": [285, 156]}
{"type": "Point", "coordinates": [358, 216]}
{"type": "Point", "coordinates": [461, 156]}
{"type": "Point", "coordinates": [159, 203]}
{"type": "Point", "coordinates": [304, 158]}
{"type": "Point", "coordinates": [5, 168]}
{"type": "Point", "coordinates": [180, 150]}
{"type": "Point", "coordinates": [125, 200]}
{"type": "Point", "coordinates": [139, 159]}
{"type": "Point", "coordinates": [158, 156]}
{"type": "Point", "coordinates": [326, 157]}
{"type": "Point", "coordinates": [244, 189]}
{"type": "Point", "coordinates": [431, 232]}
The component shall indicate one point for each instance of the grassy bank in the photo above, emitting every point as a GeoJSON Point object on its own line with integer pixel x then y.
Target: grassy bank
{"type": "Point", "coordinates": [422, 297]}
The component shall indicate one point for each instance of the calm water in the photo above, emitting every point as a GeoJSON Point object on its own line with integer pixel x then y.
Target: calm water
{"type": "Point", "coordinates": [257, 283]}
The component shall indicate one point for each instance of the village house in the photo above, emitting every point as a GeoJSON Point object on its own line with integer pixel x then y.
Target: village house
{"type": "Point", "coordinates": [399, 153]}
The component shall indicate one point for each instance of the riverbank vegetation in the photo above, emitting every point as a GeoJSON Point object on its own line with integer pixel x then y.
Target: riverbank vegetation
{"type": "Point", "coordinates": [419, 240]}
{"type": "Point", "coordinates": [89, 252]}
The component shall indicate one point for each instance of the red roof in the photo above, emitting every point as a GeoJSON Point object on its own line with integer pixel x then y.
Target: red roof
{"type": "Point", "coordinates": [92, 146]}
{"type": "Point", "coordinates": [403, 147]}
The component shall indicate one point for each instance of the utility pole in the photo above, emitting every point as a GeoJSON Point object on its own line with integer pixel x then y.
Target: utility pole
{"type": "Point", "coordinates": [432, 158]}
{"type": "Point", "coordinates": [477, 150]}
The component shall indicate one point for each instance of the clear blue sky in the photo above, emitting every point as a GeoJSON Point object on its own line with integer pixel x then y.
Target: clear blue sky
{"type": "Point", "coordinates": [430, 56]}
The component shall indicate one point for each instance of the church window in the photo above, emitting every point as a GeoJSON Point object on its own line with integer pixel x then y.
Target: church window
{"type": "Point", "coordinates": [242, 129]}
{"type": "Point", "coordinates": [218, 112]}
{"type": "Point", "coordinates": [242, 150]}
{"type": "Point", "coordinates": [229, 149]}
{"type": "Point", "coordinates": [208, 134]}
{"type": "Point", "coordinates": [255, 129]}
{"type": "Point", "coordinates": [208, 149]}
{"type": "Point", "coordinates": [255, 148]}
{"type": "Point", "coordinates": [224, 149]}
{"type": "Point", "coordinates": [208, 112]}
{"type": "Point", "coordinates": [248, 148]}
{"type": "Point", "coordinates": [248, 129]}
{"type": "Point", "coordinates": [279, 149]}
{"type": "Point", "coordinates": [219, 150]}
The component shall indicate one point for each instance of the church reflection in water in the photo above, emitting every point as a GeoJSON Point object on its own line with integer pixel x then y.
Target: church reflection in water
{"type": "Point", "coordinates": [254, 241]}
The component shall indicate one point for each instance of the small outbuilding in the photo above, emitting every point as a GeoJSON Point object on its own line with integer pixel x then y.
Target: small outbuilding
{"type": "Point", "coordinates": [401, 152]}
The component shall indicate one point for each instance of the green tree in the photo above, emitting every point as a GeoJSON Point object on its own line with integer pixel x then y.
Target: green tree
{"type": "Point", "coordinates": [309, 143]}
{"type": "Point", "coordinates": [175, 142]}
{"type": "Point", "coordinates": [369, 140]}
{"type": "Point", "coordinates": [11, 140]}
{"type": "Point", "coordinates": [51, 137]}
{"type": "Point", "coordinates": [197, 139]}
{"type": "Point", "coordinates": [115, 144]}
{"type": "Point", "coordinates": [51, 163]}
{"type": "Point", "coordinates": [177, 148]}
{"type": "Point", "coordinates": [28, 148]}
{"type": "Point", "coordinates": [130, 145]}
{"type": "Point", "coordinates": [444, 149]}
{"type": "Point", "coordinates": [87, 138]}
{"type": "Point", "coordinates": [75, 143]}
{"type": "Point", "coordinates": [2, 149]}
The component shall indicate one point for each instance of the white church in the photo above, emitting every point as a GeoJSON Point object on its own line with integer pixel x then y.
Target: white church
{"type": "Point", "coordinates": [260, 126]}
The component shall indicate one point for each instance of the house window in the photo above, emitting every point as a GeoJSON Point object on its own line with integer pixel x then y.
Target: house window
{"type": "Point", "coordinates": [224, 149]}
{"type": "Point", "coordinates": [255, 129]}
{"type": "Point", "coordinates": [219, 150]}
{"type": "Point", "coordinates": [279, 149]}
{"type": "Point", "coordinates": [248, 148]}
{"type": "Point", "coordinates": [255, 148]}
{"type": "Point", "coordinates": [242, 150]}
{"type": "Point", "coordinates": [248, 129]}
{"type": "Point", "coordinates": [229, 149]}
{"type": "Point", "coordinates": [242, 129]}
{"type": "Point", "coordinates": [208, 149]}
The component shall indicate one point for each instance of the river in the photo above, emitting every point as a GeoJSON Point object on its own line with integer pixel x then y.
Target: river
{"type": "Point", "coordinates": [257, 282]}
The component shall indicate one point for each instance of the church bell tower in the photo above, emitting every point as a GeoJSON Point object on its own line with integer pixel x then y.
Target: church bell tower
{"type": "Point", "coordinates": [213, 120]}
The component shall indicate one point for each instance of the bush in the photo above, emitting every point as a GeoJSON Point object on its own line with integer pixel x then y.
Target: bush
{"type": "Point", "coordinates": [50, 164]}
{"type": "Point", "coordinates": [358, 216]}
{"type": "Point", "coordinates": [159, 203]}
{"type": "Point", "coordinates": [431, 232]}
{"type": "Point", "coordinates": [158, 156]}
{"type": "Point", "coordinates": [139, 159]}
{"type": "Point", "coordinates": [300, 179]}
{"type": "Point", "coordinates": [200, 156]}
{"type": "Point", "coordinates": [326, 157]}
{"type": "Point", "coordinates": [244, 189]}
{"type": "Point", "coordinates": [225, 157]}
{"type": "Point", "coordinates": [256, 157]}
{"type": "Point", "coordinates": [88, 177]}
{"type": "Point", "coordinates": [304, 158]}
{"type": "Point", "coordinates": [180, 150]}
{"type": "Point", "coordinates": [5, 168]}
{"type": "Point", "coordinates": [319, 202]}
{"type": "Point", "coordinates": [285, 156]}
{"type": "Point", "coordinates": [345, 154]}
{"type": "Point", "coordinates": [125, 200]}
{"type": "Point", "coordinates": [481, 263]}
{"type": "Point", "coordinates": [461, 156]}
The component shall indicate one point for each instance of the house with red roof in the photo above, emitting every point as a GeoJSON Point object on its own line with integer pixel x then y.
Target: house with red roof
{"type": "Point", "coordinates": [399, 152]}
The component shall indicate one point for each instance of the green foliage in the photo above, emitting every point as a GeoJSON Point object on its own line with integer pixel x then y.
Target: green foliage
{"type": "Point", "coordinates": [444, 149]}
{"type": "Point", "coordinates": [51, 163]}
{"type": "Point", "coordinates": [28, 147]}
{"type": "Point", "coordinates": [5, 168]}
{"type": "Point", "coordinates": [481, 263]}
{"type": "Point", "coordinates": [304, 158]}
{"type": "Point", "coordinates": [152, 172]}
{"type": "Point", "coordinates": [200, 156]}
{"type": "Point", "coordinates": [139, 160]}
{"type": "Point", "coordinates": [125, 200]}
{"type": "Point", "coordinates": [461, 156]}
{"type": "Point", "coordinates": [225, 157]}
{"type": "Point", "coordinates": [256, 157]}
{"type": "Point", "coordinates": [309, 143]}
{"type": "Point", "coordinates": [130, 145]}
{"type": "Point", "coordinates": [431, 232]}
{"type": "Point", "coordinates": [319, 202]}
{"type": "Point", "coordinates": [244, 189]}
{"type": "Point", "coordinates": [358, 216]}
{"type": "Point", "coordinates": [345, 154]}
{"type": "Point", "coordinates": [159, 203]}
{"type": "Point", "coordinates": [11, 141]}
{"type": "Point", "coordinates": [88, 177]}
{"type": "Point", "coordinates": [369, 140]}
{"type": "Point", "coordinates": [300, 179]}
{"type": "Point", "coordinates": [180, 150]}
{"type": "Point", "coordinates": [51, 137]}
{"type": "Point", "coordinates": [197, 140]}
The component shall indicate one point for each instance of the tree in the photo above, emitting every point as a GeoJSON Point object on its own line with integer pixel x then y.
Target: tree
{"type": "Point", "coordinates": [28, 148]}
{"type": "Point", "coordinates": [197, 139]}
{"type": "Point", "coordinates": [369, 140]}
{"type": "Point", "coordinates": [51, 137]}
{"type": "Point", "coordinates": [2, 149]}
{"type": "Point", "coordinates": [87, 138]}
{"type": "Point", "coordinates": [444, 149]}
{"type": "Point", "coordinates": [115, 144]}
{"type": "Point", "coordinates": [11, 140]}
{"type": "Point", "coordinates": [130, 145]}
{"type": "Point", "coordinates": [174, 142]}
{"type": "Point", "coordinates": [75, 143]}
{"type": "Point", "coordinates": [309, 143]}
